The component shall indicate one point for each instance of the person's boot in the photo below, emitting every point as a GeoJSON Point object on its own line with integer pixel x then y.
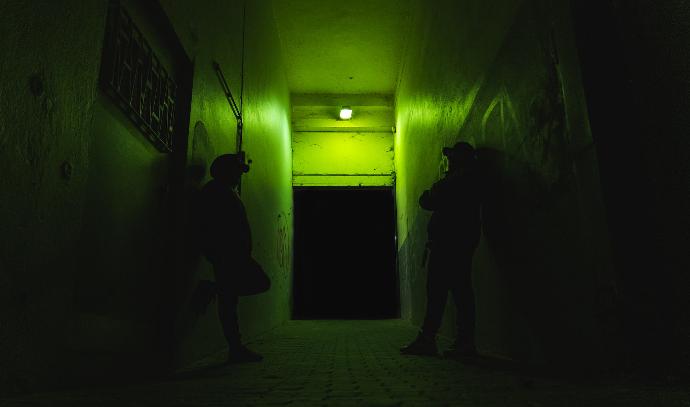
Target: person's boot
{"type": "Point", "coordinates": [461, 349]}
{"type": "Point", "coordinates": [423, 345]}
{"type": "Point", "coordinates": [242, 354]}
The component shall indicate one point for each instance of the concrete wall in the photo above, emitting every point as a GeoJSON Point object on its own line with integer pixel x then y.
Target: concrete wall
{"type": "Point", "coordinates": [637, 69]}
{"type": "Point", "coordinates": [505, 76]}
{"type": "Point", "coordinates": [95, 270]}
{"type": "Point", "coordinates": [42, 127]}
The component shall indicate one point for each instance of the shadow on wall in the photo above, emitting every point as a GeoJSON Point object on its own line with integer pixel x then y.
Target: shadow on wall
{"type": "Point", "coordinates": [542, 258]}
{"type": "Point", "coordinates": [513, 195]}
{"type": "Point", "coordinates": [124, 230]}
{"type": "Point", "coordinates": [511, 200]}
{"type": "Point", "coordinates": [192, 294]}
{"type": "Point", "coordinates": [532, 235]}
{"type": "Point", "coordinates": [541, 261]}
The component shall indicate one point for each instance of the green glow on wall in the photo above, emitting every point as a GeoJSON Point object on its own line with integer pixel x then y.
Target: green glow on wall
{"type": "Point", "coordinates": [342, 159]}
{"type": "Point", "coordinates": [330, 151]}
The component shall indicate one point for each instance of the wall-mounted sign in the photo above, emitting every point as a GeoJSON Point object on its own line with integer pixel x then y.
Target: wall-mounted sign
{"type": "Point", "coordinates": [134, 77]}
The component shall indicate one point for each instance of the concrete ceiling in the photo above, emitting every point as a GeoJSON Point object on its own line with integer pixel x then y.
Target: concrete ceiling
{"type": "Point", "coordinates": [346, 47]}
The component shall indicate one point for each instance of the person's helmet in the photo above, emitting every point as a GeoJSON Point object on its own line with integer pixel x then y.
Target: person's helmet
{"type": "Point", "coordinates": [461, 151]}
{"type": "Point", "coordinates": [229, 164]}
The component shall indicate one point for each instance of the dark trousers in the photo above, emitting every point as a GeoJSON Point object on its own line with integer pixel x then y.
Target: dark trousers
{"type": "Point", "coordinates": [450, 270]}
{"type": "Point", "coordinates": [227, 313]}
{"type": "Point", "coordinates": [227, 305]}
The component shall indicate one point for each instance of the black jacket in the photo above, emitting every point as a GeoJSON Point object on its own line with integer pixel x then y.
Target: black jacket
{"type": "Point", "coordinates": [455, 201]}
{"type": "Point", "coordinates": [224, 229]}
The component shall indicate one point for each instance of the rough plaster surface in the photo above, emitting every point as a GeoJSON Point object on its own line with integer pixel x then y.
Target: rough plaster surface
{"type": "Point", "coordinates": [506, 78]}
{"type": "Point", "coordinates": [45, 113]}
{"type": "Point", "coordinates": [85, 196]}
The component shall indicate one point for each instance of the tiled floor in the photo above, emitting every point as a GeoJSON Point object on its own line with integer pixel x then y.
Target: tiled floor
{"type": "Point", "coordinates": [355, 363]}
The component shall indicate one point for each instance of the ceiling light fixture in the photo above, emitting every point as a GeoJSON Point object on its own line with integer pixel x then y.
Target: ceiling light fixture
{"type": "Point", "coordinates": [345, 113]}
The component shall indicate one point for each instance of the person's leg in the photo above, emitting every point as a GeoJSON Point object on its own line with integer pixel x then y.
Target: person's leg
{"type": "Point", "coordinates": [436, 294]}
{"type": "Point", "coordinates": [463, 296]}
{"type": "Point", "coordinates": [227, 313]}
{"type": "Point", "coordinates": [436, 297]}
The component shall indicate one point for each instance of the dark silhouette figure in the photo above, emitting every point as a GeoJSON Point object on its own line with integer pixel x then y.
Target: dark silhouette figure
{"type": "Point", "coordinates": [226, 242]}
{"type": "Point", "coordinates": [454, 231]}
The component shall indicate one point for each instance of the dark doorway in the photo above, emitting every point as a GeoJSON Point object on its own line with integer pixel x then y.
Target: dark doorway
{"type": "Point", "coordinates": [345, 254]}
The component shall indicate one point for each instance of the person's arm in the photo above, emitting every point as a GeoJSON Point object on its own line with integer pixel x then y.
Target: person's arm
{"type": "Point", "coordinates": [440, 193]}
{"type": "Point", "coordinates": [426, 201]}
{"type": "Point", "coordinates": [432, 198]}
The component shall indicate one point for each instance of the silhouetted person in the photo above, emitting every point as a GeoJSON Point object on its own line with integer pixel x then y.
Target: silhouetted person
{"type": "Point", "coordinates": [227, 243]}
{"type": "Point", "coordinates": [454, 231]}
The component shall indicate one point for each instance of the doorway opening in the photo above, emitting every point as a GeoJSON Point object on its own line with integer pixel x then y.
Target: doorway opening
{"type": "Point", "coordinates": [345, 254]}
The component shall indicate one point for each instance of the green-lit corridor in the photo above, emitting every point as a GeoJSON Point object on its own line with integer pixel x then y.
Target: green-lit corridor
{"type": "Point", "coordinates": [320, 202]}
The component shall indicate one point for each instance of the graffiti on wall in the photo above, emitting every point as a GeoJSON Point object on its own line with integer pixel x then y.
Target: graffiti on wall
{"type": "Point", "coordinates": [283, 242]}
{"type": "Point", "coordinates": [527, 119]}
{"type": "Point", "coordinates": [202, 154]}
{"type": "Point", "coordinates": [547, 138]}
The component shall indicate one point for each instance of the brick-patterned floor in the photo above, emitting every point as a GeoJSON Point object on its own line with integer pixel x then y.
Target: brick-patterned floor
{"type": "Point", "coordinates": [355, 363]}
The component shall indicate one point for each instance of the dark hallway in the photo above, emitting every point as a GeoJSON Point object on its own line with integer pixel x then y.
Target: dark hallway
{"type": "Point", "coordinates": [267, 202]}
{"type": "Point", "coordinates": [345, 254]}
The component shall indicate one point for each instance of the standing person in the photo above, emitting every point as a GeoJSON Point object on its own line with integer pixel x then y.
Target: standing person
{"type": "Point", "coordinates": [453, 235]}
{"type": "Point", "coordinates": [226, 242]}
